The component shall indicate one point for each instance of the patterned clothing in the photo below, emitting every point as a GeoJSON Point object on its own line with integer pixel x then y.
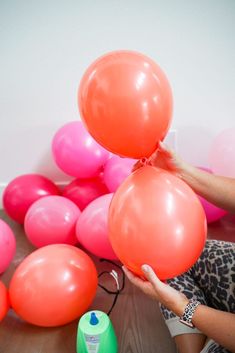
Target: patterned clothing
{"type": "Point", "coordinates": [211, 281]}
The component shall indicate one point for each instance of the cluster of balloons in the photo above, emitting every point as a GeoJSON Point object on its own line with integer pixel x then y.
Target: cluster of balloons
{"type": "Point", "coordinates": [51, 217]}
{"type": "Point", "coordinates": [125, 101]}
{"type": "Point", "coordinates": [149, 216]}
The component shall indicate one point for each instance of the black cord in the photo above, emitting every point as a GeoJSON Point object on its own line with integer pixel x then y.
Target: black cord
{"type": "Point", "coordinates": [119, 290]}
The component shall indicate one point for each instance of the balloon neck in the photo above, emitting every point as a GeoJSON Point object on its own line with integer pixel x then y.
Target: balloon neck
{"type": "Point", "coordinates": [93, 319]}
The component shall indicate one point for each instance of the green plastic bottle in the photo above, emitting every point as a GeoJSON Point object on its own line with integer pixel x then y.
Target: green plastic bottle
{"type": "Point", "coordinates": [96, 334]}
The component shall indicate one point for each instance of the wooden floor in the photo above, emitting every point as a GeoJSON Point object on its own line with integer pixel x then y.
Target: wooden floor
{"type": "Point", "coordinates": [136, 318]}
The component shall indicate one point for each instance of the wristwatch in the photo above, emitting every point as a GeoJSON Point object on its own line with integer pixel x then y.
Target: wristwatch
{"type": "Point", "coordinates": [189, 310]}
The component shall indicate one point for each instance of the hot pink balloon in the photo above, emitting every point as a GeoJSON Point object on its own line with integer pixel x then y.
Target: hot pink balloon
{"type": "Point", "coordinates": [116, 170]}
{"type": "Point", "coordinates": [222, 153]}
{"type": "Point", "coordinates": [92, 228]}
{"type": "Point", "coordinates": [52, 220]}
{"type": "Point", "coordinates": [7, 246]}
{"type": "Point", "coordinates": [76, 152]}
{"type": "Point", "coordinates": [83, 191]}
{"type": "Point", "coordinates": [213, 213]}
{"type": "Point", "coordinates": [23, 191]}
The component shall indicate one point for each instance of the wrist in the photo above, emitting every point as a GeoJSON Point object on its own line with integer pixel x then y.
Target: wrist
{"type": "Point", "coordinates": [187, 173]}
{"type": "Point", "coordinates": [179, 305]}
{"type": "Point", "coordinates": [188, 313]}
{"type": "Point", "coordinates": [179, 310]}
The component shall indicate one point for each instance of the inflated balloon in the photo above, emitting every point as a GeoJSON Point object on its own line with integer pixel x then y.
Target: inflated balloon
{"type": "Point", "coordinates": [23, 191]}
{"type": "Point", "coordinates": [53, 285]}
{"type": "Point", "coordinates": [92, 228]}
{"type": "Point", "coordinates": [155, 218]}
{"type": "Point", "coordinates": [83, 191]}
{"type": "Point", "coordinates": [116, 170]}
{"type": "Point", "coordinates": [4, 301]}
{"type": "Point", "coordinates": [7, 246]}
{"type": "Point", "coordinates": [76, 152]}
{"type": "Point", "coordinates": [222, 153]}
{"type": "Point", "coordinates": [125, 101]}
{"type": "Point", "coordinates": [213, 213]}
{"type": "Point", "coordinates": [52, 220]}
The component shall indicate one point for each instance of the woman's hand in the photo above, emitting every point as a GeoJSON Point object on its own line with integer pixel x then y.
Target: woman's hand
{"type": "Point", "coordinates": [163, 158]}
{"type": "Point", "coordinates": [156, 289]}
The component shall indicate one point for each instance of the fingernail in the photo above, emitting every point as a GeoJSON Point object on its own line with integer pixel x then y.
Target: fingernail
{"type": "Point", "coordinates": [145, 268]}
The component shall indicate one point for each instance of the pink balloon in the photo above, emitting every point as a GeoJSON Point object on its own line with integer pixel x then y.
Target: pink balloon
{"type": "Point", "coordinates": [52, 220]}
{"type": "Point", "coordinates": [76, 152]}
{"type": "Point", "coordinates": [213, 213]}
{"type": "Point", "coordinates": [83, 191]}
{"type": "Point", "coordinates": [92, 228]}
{"type": "Point", "coordinates": [222, 153]}
{"type": "Point", "coordinates": [23, 191]}
{"type": "Point", "coordinates": [7, 246]}
{"type": "Point", "coordinates": [116, 170]}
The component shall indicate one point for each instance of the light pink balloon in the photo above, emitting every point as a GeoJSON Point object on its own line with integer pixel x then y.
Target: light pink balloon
{"type": "Point", "coordinates": [52, 220]}
{"type": "Point", "coordinates": [213, 213]}
{"type": "Point", "coordinates": [116, 170]}
{"type": "Point", "coordinates": [7, 246]}
{"type": "Point", "coordinates": [92, 228]}
{"type": "Point", "coordinates": [76, 152]}
{"type": "Point", "coordinates": [222, 153]}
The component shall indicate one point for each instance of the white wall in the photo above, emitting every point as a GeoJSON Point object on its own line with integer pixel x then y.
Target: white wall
{"type": "Point", "coordinates": [45, 47]}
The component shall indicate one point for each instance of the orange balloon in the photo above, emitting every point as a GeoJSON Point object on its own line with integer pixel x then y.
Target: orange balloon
{"type": "Point", "coordinates": [155, 218]}
{"type": "Point", "coordinates": [53, 285]}
{"type": "Point", "coordinates": [125, 101]}
{"type": "Point", "coordinates": [4, 301]}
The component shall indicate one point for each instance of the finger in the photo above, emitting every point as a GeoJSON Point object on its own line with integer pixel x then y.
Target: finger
{"type": "Point", "coordinates": [163, 148]}
{"type": "Point", "coordinates": [151, 276]}
{"type": "Point", "coordinates": [137, 165]}
{"type": "Point", "coordinates": [132, 278]}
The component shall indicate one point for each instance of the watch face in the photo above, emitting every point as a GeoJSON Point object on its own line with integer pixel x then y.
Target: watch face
{"type": "Point", "coordinates": [189, 324]}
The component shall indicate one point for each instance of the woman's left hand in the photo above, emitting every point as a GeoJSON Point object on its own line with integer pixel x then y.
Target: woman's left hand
{"type": "Point", "coordinates": [155, 288]}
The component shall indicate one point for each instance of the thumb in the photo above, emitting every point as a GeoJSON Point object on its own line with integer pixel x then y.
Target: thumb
{"type": "Point", "coordinates": [151, 276]}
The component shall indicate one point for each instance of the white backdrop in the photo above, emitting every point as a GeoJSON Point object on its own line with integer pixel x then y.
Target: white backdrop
{"type": "Point", "coordinates": [45, 46]}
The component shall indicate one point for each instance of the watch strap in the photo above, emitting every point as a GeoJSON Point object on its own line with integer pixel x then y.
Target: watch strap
{"type": "Point", "coordinates": [189, 310]}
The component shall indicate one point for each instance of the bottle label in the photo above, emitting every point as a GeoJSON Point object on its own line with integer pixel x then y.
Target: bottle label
{"type": "Point", "coordinates": [92, 343]}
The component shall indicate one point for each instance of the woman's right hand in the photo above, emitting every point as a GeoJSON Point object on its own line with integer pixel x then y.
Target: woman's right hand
{"type": "Point", "coordinates": [163, 157]}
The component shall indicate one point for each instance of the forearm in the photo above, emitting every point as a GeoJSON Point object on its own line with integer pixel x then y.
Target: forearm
{"type": "Point", "coordinates": [216, 324]}
{"type": "Point", "coordinates": [216, 189]}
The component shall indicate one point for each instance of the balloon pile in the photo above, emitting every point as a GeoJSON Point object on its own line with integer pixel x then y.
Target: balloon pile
{"type": "Point", "coordinates": [125, 101]}
{"type": "Point", "coordinates": [149, 216]}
